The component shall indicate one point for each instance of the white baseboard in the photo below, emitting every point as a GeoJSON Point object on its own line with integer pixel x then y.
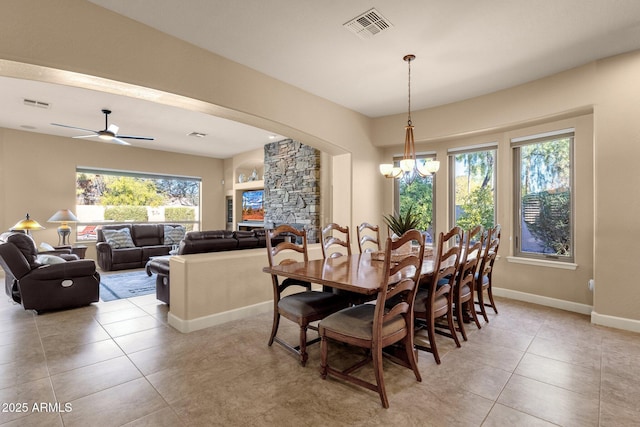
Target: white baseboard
{"type": "Point", "coordinates": [186, 326]}
{"type": "Point", "coordinates": [546, 301]}
{"type": "Point", "coordinates": [597, 319]}
{"type": "Point", "coordinates": [615, 322]}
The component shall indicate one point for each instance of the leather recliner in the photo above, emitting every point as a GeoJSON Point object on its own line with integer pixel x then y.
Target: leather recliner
{"type": "Point", "coordinates": [44, 287]}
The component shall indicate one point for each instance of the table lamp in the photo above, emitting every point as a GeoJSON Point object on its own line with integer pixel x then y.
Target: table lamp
{"type": "Point", "coordinates": [27, 225]}
{"type": "Point", "coordinates": [63, 216]}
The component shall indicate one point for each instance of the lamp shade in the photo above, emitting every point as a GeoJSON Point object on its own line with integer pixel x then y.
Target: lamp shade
{"type": "Point", "coordinates": [63, 215]}
{"type": "Point", "coordinates": [27, 224]}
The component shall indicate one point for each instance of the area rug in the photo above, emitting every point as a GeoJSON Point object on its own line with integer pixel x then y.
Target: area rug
{"type": "Point", "coordinates": [126, 285]}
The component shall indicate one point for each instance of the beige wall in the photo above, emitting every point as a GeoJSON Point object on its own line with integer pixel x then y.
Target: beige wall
{"type": "Point", "coordinates": [606, 182]}
{"type": "Point", "coordinates": [154, 60]}
{"type": "Point", "coordinates": [37, 175]}
{"type": "Point", "coordinates": [69, 35]}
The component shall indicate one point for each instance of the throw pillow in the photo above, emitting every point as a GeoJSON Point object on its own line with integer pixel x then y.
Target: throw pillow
{"type": "Point", "coordinates": [46, 247]}
{"type": "Point", "coordinates": [118, 239]}
{"type": "Point", "coordinates": [173, 235]}
{"type": "Point", "coordinates": [50, 259]}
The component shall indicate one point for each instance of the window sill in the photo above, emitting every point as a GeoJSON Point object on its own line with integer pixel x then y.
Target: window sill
{"type": "Point", "coordinates": [543, 263]}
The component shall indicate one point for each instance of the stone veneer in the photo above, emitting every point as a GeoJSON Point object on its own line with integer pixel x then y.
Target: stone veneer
{"type": "Point", "coordinates": [291, 186]}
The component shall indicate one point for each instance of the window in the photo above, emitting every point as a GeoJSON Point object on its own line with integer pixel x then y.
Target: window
{"type": "Point", "coordinates": [104, 196]}
{"type": "Point", "coordinates": [473, 195]}
{"type": "Point", "coordinates": [543, 167]}
{"type": "Point", "coordinates": [418, 194]}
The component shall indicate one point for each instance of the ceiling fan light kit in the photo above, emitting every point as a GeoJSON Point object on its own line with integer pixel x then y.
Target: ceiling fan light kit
{"type": "Point", "coordinates": [109, 133]}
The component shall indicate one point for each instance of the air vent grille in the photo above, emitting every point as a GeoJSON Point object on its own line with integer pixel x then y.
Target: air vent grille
{"type": "Point", "coordinates": [368, 24]}
{"type": "Point", "coordinates": [34, 103]}
{"type": "Point", "coordinates": [197, 134]}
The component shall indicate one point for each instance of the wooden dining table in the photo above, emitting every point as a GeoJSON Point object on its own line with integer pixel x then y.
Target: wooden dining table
{"type": "Point", "coordinates": [359, 273]}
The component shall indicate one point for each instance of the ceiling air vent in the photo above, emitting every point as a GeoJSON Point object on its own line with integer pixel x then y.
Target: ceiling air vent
{"type": "Point", "coordinates": [34, 103]}
{"type": "Point", "coordinates": [197, 134]}
{"type": "Point", "coordinates": [368, 24]}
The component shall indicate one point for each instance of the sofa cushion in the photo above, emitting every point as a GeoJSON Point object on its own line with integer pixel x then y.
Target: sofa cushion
{"type": "Point", "coordinates": [118, 239]}
{"type": "Point", "coordinates": [173, 235]}
{"type": "Point", "coordinates": [147, 234]}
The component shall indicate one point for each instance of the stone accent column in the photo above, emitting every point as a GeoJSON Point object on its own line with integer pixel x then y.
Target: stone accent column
{"type": "Point", "coordinates": [291, 186]}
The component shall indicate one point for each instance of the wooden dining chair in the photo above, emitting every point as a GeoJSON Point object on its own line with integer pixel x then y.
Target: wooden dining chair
{"type": "Point", "coordinates": [303, 307]}
{"type": "Point", "coordinates": [484, 274]}
{"type": "Point", "coordinates": [335, 241]}
{"type": "Point", "coordinates": [463, 289]}
{"type": "Point", "coordinates": [368, 237]}
{"type": "Point", "coordinates": [379, 325]}
{"type": "Point", "coordinates": [434, 296]}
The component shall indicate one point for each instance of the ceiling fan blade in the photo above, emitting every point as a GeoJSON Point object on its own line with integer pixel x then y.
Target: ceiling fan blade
{"type": "Point", "coordinates": [120, 141]}
{"type": "Point", "coordinates": [73, 127]}
{"type": "Point", "coordinates": [146, 138]}
{"type": "Point", "coordinates": [113, 128]}
{"type": "Point", "coordinates": [85, 136]}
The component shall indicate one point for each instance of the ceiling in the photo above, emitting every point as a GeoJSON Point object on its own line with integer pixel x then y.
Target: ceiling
{"type": "Point", "coordinates": [463, 49]}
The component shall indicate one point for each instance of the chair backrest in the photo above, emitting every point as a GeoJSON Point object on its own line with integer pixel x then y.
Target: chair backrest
{"type": "Point", "coordinates": [368, 234]}
{"type": "Point", "coordinates": [472, 254]}
{"type": "Point", "coordinates": [334, 235]}
{"type": "Point", "coordinates": [446, 261]}
{"type": "Point", "coordinates": [497, 231]}
{"type": "Point", "coordinates": [491, 244]}
{"type": "Point", "coordinates": [400, 283]}
{"type": "Point", "coordinates": [286, 246]}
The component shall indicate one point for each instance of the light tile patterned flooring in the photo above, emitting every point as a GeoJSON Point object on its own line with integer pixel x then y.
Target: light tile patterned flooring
{"type": "Point", "coordinates": [119, 363]}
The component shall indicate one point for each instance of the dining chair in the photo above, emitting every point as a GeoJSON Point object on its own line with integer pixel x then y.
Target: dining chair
{"type": "Point", "coordinates": [434, 296]}
{"type": "Point", "coordinates": [484, 274]}
{"type": "Point", "coordinates": [334, 246]}
{"type": "Point", "coordinates": [376, 326]}
{"type": "Point", "coordinates": [334, 235]}
{"type": "Point", "coordinates": [368, 235]}
{"type": "Point", "coordinates": [463, 289]}
{"type": "Point", "coordinates": [303, 307]}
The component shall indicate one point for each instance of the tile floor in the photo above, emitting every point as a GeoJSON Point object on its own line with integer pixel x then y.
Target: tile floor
{"type": "Point", "coordinates": [119, 363]}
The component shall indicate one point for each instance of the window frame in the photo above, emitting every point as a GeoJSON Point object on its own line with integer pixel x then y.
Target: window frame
{"type": "Point", "coordinates": [516, 144]}
{"type": "Point", "coordinates": [452, 153]}
{"type": "Point", "coordinates": [396, 190]}
{"type": "Point", "coordinates": [197, 223]}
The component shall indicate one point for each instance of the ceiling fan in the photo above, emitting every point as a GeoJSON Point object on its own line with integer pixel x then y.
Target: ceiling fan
{"type": "Point", "coordinates": [109, 133]}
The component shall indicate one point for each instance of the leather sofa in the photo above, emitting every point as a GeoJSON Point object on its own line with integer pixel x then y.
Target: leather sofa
{"type": "Point", "coordinates": [196, 242]}
{"type": "Point", "coordinates": [147, 240]}
{"type": "Point", "coordinates": [45, 282]}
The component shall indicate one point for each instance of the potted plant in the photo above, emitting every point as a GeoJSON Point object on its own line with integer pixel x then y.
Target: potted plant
{"type": "Point", "coordinates": [400, 224]}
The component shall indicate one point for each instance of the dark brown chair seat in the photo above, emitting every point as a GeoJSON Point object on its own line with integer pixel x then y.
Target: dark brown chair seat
{"type": "Point", "coordinates": [379, 325]}
{"type": "Point", "coordinates": [303, 307]}
{"type": "Point", "coordinates": [434, 298]}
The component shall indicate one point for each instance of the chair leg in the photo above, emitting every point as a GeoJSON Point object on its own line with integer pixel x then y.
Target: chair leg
{"type": "Point", "coordinates": [324, 351]}
{"type": "Point", "coordinates": [481, 304]}
{"type": "Point", "coordinates": [274, 328]}
{"type": "Point", "coordinates": [412, 356]}
{"type": "Point", "coordinates": [460, 320]}
{"type": "Point", "coordinates": [303, 345]}
{"type": "Point", "coordinates": [469, 308]}
{"type": "Point", "coordinates": [490, 293]}
{"type": "Point", "coordinates": [431, 333]}
{"type": "Point", "coordinates": [377, 366]}
{"type": "Point", "coordinates": [452, 327]}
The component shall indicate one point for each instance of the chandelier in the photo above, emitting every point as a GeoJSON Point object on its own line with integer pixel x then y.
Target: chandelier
{"type": "Point", "coordinates": [409, 168]}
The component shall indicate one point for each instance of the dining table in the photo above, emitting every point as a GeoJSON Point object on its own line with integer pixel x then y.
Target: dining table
{"type": "Point", "coordinates": [359, 273]}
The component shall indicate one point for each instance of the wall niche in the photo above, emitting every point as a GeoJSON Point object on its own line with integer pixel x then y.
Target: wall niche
{"type": "Point", "coordinates": [291, 186]}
